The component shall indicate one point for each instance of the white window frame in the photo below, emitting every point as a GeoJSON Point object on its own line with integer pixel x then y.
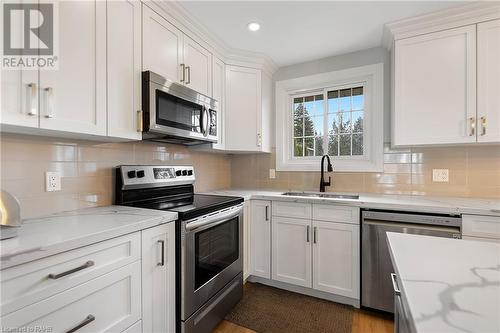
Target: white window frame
{"type": "Point", "coordinates": [372, 79]}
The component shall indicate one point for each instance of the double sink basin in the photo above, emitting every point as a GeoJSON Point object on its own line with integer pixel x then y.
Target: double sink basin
{"type": "Point", "coordinates": [323, 195]}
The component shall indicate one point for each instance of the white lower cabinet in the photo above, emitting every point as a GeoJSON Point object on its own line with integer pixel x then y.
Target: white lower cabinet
{"type": "Point", "coordinates": [260, 238]}
{"type": "Point", "coordinates": [158, 279]}
{"type": "Point", "coordinates": [111, 302]}
{"type": "Point", "coordinates": [125, 284]}
{"type": "Point", "coordinates": [319, 251]}
{"type": "Point", "coordinates": [336, 258]}
{"type": "Point", "coordinates": [291, 245]}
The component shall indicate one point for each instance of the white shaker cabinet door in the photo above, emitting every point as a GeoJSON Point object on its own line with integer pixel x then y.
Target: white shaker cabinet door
{"type": "Point", "coordinates": [123, 68]}
{"type": "Point", "coordinates": [435, 88]}
{"type": "Point", "coordinates": [162, 46]}
{"type": "Point", "coordinates": [243, 109]}
{"type": "Point", "coordinates": [19, 88]}
{"type": "Point", "coordinates": [291, 246]}
{"type": "Point", "coordinates": [73, 98]}
{"type": "Point", "coordinates": [198, 62]}
{"type": "Point", "coordinates": [336, 258]}
{"type": "Point", "coordinates": [260, 238]}
{"type": "Point", "coordinates": [488, 81]}
{"type": "Point", "coordinates": [158, 279]}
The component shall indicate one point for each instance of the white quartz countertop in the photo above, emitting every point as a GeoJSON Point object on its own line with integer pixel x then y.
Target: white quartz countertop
{"type": "Point", "coordinates": [42, 237]}
{"type": "Point", "coordinates": [448, 285]}
{"type": "Point", "coordinates": [442, 205]}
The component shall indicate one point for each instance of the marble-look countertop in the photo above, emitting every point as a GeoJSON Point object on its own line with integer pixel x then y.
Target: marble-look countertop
{"type": "Point", "coordinates": [447, 285]}
{"type": "Point", "coordinates": [413, 203]}
{"type": "Point", "coordinates": [45, 236]}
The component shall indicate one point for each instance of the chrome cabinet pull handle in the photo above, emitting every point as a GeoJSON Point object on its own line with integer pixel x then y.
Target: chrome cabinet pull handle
{"type": "Point", "coordinates": [259, 140]}
{"type": "Point", "coordinates": [183, 77]}
{"type": "Point", "coordinates": [50, 103]}
{"type": "Point", "coordinates": [267, 213]}
{"type": "Point", "coordinates": [472, 126]}
{"type": "Point", "coordinates": [32, 103]}
{"type": "Point", "coordinates": [162, 262]}
{"type": "Point", "coordinates": [188, 69]}
{"type": "Point", "coordinates": [315, 235]}
{"type": "Point", "coordinates": [483, 125]}
{"type": "Point", "coordinates": [90, 318]}
{"type": "Point", "coordinates": [307, 234]}
{"type": "Point", "coordinates": [395, 285]}
{"type": "Point", "coordinates": [71, 271]}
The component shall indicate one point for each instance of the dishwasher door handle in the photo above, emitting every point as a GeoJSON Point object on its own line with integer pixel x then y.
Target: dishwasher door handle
{"type": "Point", "coordinates": [410, 225]}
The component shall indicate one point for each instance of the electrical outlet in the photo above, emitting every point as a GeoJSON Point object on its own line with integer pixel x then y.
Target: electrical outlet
{"type": "Point", "coordinates": [52, 181]}
{"type": "Point", "coordinates": [272, 173]}
{"type": "Point", "coordinates": [440, 175]}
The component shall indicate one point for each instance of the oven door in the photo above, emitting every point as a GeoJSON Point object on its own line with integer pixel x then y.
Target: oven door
{"type": "Point", "coordinates": [211, 256]}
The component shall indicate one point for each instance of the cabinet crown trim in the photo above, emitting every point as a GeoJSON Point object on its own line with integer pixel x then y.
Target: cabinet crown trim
{"type": "Point", "coordinates": [448, 18]}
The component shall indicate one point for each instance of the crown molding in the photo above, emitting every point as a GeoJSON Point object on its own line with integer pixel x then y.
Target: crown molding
{"type": "Point", "coordinates": [180, 17]}
{"type": "Point", "coordinates": [441, 20]}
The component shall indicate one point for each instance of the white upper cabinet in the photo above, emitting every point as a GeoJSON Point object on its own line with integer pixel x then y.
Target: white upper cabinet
{"type": "Point", "coordinates": [218, 93]}
{"type": "Point", "coordinates": [124, 68]}
{"type": "Point", "coordinates": [488, 81]}
{"type": "Point", "coordinates": [244, 118]}
{"type": "Point", "coordinates": [73, 97]}
{"type": "Point", "coordinates": [162, 46]}
{"type": "Point", "coordinates": [198, 67]}
{"type": "Point", "coordinates": [435, 88]}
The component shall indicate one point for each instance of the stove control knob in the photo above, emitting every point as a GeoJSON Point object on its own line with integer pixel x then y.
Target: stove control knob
{"type": "Point", "coordinates": [190, 172]}
{"type": "Point", "coordinates": [178, 173]}
{"type": "Point", "coordinates": [140, 174]}
{"type": "Point", "coordinates": [131, 174]}
{"type": "Point", "coordinates": [184, 172]}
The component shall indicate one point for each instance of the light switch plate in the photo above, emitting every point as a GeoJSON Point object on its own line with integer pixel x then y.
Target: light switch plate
{"type": "Point", "coordinates": [440, 175]}
{"type": "Point", "coordinates": [272, 173]}
{"type": "Point", "coordinates": [52, 181]}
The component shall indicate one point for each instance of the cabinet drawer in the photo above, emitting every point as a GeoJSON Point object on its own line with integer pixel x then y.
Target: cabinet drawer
{"type": "Point", "coordinates": [292, 209]}
{"type": "Point", "coordinates": [336, 213]}
{"type": "Point", "coordinates": [84, 264]}
{"type": "Point", "coordinates": [111, 302]}
{"type": "Point", "coordinates": [481, 226]}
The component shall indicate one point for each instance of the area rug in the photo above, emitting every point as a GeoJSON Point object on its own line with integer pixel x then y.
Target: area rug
{"type": "Point", "coordinates": [266, 309]}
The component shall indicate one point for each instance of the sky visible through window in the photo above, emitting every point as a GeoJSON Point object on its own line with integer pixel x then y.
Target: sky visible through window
{"type": "Point", "coordinates": [336, 126]}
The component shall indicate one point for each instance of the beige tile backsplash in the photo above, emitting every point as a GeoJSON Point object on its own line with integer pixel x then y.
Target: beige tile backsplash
{"type": "Point", "coordinates": [86, 169]}
{"type": "Point", "coordinates": [87, 178]}
{"type": "Point", "coordinates": [474, 171]}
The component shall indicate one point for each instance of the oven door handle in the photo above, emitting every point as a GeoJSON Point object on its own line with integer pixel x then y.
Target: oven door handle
{"type": "Point", "coordinates": [213, 220]}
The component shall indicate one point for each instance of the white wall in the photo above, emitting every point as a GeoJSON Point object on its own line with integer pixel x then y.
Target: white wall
{"type": "Point", "coordinates": [349, 60]}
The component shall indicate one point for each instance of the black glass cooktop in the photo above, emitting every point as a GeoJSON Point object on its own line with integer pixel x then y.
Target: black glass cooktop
{"type": "Point", "coordinates": [189, 207]}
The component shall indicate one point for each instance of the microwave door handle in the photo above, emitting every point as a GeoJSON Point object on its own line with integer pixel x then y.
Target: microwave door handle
{"type": "Point", "coordinates": [204, 121]}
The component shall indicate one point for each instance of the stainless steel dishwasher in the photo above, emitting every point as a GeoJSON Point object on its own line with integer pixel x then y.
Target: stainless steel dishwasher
{"type": "Point", "coordinates": [376, 267]}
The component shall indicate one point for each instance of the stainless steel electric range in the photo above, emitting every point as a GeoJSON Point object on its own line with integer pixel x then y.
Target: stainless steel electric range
{"type": "Point", "coordinates": [209, 260]}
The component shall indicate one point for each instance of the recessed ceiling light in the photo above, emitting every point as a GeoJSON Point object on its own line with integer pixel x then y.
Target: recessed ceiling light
{"type": "Point", "coordinates": [253, 26]}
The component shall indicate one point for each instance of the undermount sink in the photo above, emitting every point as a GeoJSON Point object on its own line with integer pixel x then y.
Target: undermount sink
{"type": "Point", "coordinates": [323, 195]}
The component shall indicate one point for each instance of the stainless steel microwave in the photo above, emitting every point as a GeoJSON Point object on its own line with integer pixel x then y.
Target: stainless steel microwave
{"type": "Point", "coordinates": [174, 113]}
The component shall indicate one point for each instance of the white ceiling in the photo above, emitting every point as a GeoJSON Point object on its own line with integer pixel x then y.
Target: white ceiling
{"type": "Point", "coordinates": [297, 31]}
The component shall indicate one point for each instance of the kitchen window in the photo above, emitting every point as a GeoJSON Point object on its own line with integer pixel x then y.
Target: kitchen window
{"type": "Point", "coordinates": [334, 128]}
{"type": "Point", "coordinates": [338, 113]}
